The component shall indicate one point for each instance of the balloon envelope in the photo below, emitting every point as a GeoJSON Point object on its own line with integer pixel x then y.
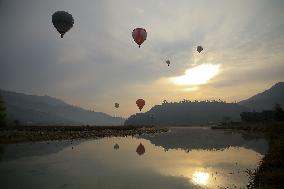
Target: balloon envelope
{"type": "Point", "coordinates": [168, 62]}
{"type": "Point", "coordinates": [140, 103]}
{"type": "Point", "coordinates": [199, 49]}
{"type": "Point", "coordinates": [139, 35]}
{"type": "Point", "coordinates": [62, 21]}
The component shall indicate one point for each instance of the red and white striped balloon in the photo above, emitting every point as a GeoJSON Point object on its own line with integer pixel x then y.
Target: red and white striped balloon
{"type": "Point", "coordinates": [139, 35]}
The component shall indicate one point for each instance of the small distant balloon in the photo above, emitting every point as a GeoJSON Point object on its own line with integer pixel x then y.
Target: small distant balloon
{"type": "Point", "coordinates": [199, 48]}
{"type": "Point", "coordinates": [116, 105]}
{"type": "Point", "coordinates": [62, 21]}
{"type": "Point", "coordinates": [140, 149]}
{"type": "Point", "coordinates": [168, 62]}
{"type": "Point", "coordinates": [140, 103]}
{"type": "Point", "coordinates": [139, 35]}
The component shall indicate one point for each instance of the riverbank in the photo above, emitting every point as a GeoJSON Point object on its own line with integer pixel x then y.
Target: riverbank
{"type": "Point", "coordinates": [18, 134]}
{"type": "Point", "coordinates": [270, 173]}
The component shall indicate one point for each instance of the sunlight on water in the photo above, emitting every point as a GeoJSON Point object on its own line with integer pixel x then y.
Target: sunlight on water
{"type": "Point", "coordinates": [200, 177]}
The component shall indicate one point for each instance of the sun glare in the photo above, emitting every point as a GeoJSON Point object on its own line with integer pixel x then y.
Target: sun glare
{"type": "Point", "coordinates": [197, 75]}
{"type": "Point", "coordinates": [200, 178]}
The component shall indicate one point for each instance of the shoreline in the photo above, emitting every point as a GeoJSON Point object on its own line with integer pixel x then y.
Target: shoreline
{"type": "Point", "coordinates": [270, 172]}
{"type": "Point", "coordinates": [18, 134]}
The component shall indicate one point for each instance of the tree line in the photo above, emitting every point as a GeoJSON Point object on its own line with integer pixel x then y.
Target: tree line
{"type": "Point", "coordinates": [3, 115]}
{"type": "Point", "coordinates": [277, 114]}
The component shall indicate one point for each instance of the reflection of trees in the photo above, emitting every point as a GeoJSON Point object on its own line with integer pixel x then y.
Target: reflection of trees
{"type": "Point", "coordinates": [207, 139]}
{"type": "Point", "coordinates": [252, 136]}
{"type": "Point", "coordinates": [13, 152]}
{"type": "Point", "coordinates": [1, 152]}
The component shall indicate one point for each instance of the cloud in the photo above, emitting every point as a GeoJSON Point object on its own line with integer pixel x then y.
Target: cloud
{"type": "Point", "coordinates": [97, 62]}
{"type": "Point", "coordinates": [197, 75]}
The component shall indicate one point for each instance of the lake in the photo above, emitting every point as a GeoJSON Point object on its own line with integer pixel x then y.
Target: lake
{"type": "Point", "coordinates": [181, 158]}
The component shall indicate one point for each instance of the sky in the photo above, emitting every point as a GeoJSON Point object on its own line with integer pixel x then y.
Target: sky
{"type": "Point", "coordinates": [97, 63]}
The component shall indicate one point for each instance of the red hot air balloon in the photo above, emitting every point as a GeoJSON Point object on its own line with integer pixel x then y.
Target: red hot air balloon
{"type": "Point", "coordinates": [139, 35]}
{"type": "Point", "coordinates": [140, 103]}
{"type": "Point", "coordinates": [140, 149]}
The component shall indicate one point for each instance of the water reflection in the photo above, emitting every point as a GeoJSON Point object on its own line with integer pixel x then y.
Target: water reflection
{"type": "Point", "coordinates": [16, 151]}
{"type": "Point", "coordinates": [1, 152]}
{"type": "Point", "coordinates": [200, 177]}
{"type": "Point", "coordinates": [94, 164]}
{"type": "Point", "coordinates": [140, 149]}
{"type": "Point", "coordinates": [206, 138]}
{"type": "Point", "coordinates": [116, 146]}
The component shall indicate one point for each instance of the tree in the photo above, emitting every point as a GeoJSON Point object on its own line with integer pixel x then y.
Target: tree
{"type": "Point", "coordinates": [3, 114]}
{"type": "Point", "coordinates": [277, 108]}
{"type": "Point", "coordinates": [279, 114]}
{"type": "Point", "coordinates": [165, 101]}
{"type": "Point", "coordinates": [227, 120]}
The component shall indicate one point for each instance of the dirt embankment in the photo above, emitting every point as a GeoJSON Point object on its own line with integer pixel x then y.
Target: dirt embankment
{"type": "Point", "coordinates": [45, 133]}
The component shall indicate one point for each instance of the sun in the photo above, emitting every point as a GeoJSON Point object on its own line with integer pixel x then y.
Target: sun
{"type": "Point", "coordinates": [200, 177]}
{"type": "Point", "coordinates": [197, 75]}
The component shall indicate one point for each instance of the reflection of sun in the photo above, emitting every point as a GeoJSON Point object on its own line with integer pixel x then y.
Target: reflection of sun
{"type": "Point", "coordinates": [200, 177]}
{"type": "Point", "coordinates": [197, 75]}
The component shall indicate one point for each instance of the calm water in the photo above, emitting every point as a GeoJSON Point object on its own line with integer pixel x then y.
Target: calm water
{"type": "Point", "coordinates": [181, 158]}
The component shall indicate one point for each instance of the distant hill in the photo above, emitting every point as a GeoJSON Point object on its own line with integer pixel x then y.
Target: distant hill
{"type": "Point", "coordinates": [267, 99]}
{"type": "Point", "coordinates": [187, 113]}
{"type": "Point", "coordinates": [45, 110]}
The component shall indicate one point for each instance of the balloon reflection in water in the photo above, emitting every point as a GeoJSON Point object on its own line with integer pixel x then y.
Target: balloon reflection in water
{"type": "Point", "coordinates": [116, 146]}
{"type": "Point", "coordinates": [140, 149]}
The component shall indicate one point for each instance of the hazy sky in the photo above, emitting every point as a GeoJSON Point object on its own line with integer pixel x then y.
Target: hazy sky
{"type": "Point", "coordinates": [98, 63]}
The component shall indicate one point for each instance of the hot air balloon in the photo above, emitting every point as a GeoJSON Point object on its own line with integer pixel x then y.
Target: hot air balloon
{"type": "Point", "coordinates": [116, 105]}
{"type": "Point", "coordinates": [116, 146]}
{"type": "Point", "coordinates": [199, 48]}
{"type": "Point", "coordinates": [139, 35]}
{"type": "Point", "coordinates": [62, 21]}
{"type": "Point", "coordinates": [140, 103]}
{"type": "Point", "coordinates": [168, 62]}
{"type": "Point", "coordinates": [140, 149]}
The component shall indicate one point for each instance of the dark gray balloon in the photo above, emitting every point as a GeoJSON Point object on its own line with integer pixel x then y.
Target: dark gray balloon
{"type": "Point", "coordinates": [168, 62]}
{"type": "Point", "coordinates": [62, 21]}
{"type": "Point", "coordinates": [199, 49]}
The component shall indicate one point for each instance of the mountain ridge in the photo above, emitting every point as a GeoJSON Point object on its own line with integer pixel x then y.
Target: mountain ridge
{"type": "Point", "coordinates": [43, 110]}
{"type": "Point", "coordinates": [46, 110]}
{"type": "Point", "coordinates": [190, 113]}
{"type": "Point", "coordinates": [267, 99]}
